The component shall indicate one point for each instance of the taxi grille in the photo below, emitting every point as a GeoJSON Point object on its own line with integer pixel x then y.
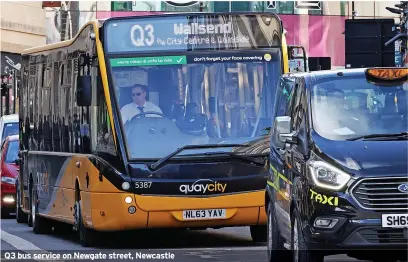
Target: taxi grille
{"type": "Point", "coordinates": [381, 193]}
{"type": "Point", "coordinates": [384, 235]}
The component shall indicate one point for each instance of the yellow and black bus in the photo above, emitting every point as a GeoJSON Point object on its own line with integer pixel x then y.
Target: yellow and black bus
{"type": "Point", "coordinates": [150, 122]}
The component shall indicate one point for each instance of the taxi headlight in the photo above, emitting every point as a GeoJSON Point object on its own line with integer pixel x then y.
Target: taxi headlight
{"type": "Point", "coordinates": [327, 176]}
{"type": "Point", "coordinates": [8, 180]}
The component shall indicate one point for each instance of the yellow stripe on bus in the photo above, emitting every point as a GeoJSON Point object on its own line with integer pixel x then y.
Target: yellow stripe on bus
{"type": "Point", "coordinates": [285, 54]}
{"type": "Point", "coordinates": [104, 78]}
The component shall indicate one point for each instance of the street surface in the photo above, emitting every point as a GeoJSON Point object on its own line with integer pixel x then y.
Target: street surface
{"type": "Point", "coordinates": [228, 244]}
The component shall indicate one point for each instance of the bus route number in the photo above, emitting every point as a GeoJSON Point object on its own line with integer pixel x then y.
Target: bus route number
{"type": "Point", "coordinates": [142, 184]}
{"type": "Point", "coordinates": [142, 36]}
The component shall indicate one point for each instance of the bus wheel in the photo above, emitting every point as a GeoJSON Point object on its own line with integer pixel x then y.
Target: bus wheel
{"type": "Point", "coordinates": [30, 192]}
{"type": "Point", "coordinates": [300, 252]}
{"type": "Point", "coordinates": [40, 225]}
{"type": "Point", "coordinates": [20, 216]}
{"type": "Point", "coordinates": [87, 237]}
{"type": "Point", "coordinates": [258, 233]}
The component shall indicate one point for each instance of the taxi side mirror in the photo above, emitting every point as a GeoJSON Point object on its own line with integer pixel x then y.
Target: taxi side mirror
{"type": "Point", "coordinates": [281, 132]}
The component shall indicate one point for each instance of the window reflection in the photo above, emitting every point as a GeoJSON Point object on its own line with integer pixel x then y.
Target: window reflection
{"type": "Point", "coordinates": [166, 107]}
{"type": "Point", "coordinates": [353, 107]}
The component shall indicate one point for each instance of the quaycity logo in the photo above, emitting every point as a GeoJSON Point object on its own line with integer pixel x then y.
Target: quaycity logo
{"type": "Point", "coordinates": [403, 188]}
{"type": "Point", "coordinates": [203, 186]}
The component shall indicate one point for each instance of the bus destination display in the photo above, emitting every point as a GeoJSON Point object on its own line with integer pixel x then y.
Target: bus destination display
{"type": "Point", "coordinates": [184, 33]}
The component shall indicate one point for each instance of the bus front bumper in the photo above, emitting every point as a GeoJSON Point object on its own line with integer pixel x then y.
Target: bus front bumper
{"type": "Point", "coordinates": [115, 212]}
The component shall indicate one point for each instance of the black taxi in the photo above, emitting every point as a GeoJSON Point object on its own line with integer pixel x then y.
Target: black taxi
{"type": "Point", "coordinates": [338, 180]}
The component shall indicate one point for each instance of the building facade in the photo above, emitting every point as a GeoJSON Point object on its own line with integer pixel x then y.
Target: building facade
{"type": "Point", "coordinates": [318, 26]}
{"type": "Point", "coordinates": [22, 26]}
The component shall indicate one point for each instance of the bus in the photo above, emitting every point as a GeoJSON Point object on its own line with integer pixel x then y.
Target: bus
{"type": "Point", "coordinates": [150, 122]}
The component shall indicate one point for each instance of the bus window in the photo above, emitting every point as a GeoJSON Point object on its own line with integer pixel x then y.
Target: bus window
{"type": "Point", "coordinates": [224, 99]}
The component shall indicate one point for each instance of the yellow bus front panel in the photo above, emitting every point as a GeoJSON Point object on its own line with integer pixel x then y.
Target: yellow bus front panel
{"type": "Point", "coordinates": [110, 212]}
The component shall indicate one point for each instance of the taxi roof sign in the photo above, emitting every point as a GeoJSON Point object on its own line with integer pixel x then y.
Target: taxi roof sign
{"type": "Point", "coordinates": [388, 74]}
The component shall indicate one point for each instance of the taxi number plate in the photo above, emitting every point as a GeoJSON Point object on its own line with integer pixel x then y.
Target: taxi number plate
{"type": "Point", "coordinates": [204, 214]}
{"type": "Point", "coordinates": [395, 220]}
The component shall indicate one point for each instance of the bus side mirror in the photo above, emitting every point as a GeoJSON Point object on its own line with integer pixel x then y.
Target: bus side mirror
{"type": "Point", "coordinates": [84, 90]}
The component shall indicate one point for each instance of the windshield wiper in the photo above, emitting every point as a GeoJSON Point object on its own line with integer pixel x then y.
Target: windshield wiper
{"type": "Point", "coordinates": [251, 159]}
{"type": "Point", "coordinates": [397, 136]}
{"type": "Point", "coordinates": [161, 161]}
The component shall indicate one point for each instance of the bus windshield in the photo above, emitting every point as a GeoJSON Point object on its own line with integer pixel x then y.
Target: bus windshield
{"type": "Point", "coordinates": [352, 107]}
{"type": "Point", "coordinates": [193, 79]}
{"type": "Point", "coordinates": [170, 106]}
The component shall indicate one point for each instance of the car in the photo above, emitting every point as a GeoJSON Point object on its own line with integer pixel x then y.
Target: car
{"type": "Point", "coordinates": [9, 125]}
{"type": "Point", "coordinates": [9, 172]}
{"type": "Point", "coordinates": [338, 181]}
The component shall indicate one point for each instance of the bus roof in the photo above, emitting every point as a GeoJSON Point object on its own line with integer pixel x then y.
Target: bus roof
{"type": "Point", "coordinates": [101, 22]}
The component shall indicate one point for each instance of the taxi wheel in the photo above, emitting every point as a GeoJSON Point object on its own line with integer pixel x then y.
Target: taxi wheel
{"type": "Point", "coordinates": [40, 225]}
{"type": "Point", "coordinates": [20, 216]}
{"type": "Point", "coordinates": [258, 234]}
{"type": "Point", "coordinates": [275, 244]}
{"type": "Point", "coordinates": [87, 237]}
{"type": "Point", "coordinates": [300, 253]}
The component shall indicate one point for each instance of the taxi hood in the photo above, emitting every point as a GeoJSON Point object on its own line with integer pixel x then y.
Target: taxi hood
{"type": "Point", "coordinates": [364, 158]}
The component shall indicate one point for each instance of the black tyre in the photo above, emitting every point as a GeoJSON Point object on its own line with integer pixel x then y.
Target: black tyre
{"type": "Point", "coordinates": [258, 234]}
{"type": "Point", "coordinates": [5, 212]}
{"type": "Point", "coordinates": [275, 243]}
{"type": "Point", "coordinates": [300, 253]}
{"type": "Point", "coordinates": [30, 217]}
{"type": "Point", "coordinates": [87, 237]}
{"type": "Point", "coordinates": [20, 216]}
{"type": "Point", "coordinates": [40, 225]}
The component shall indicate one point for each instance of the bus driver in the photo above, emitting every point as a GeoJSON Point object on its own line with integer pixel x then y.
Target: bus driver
{"type": "Point", "coordinates": [139, 105]}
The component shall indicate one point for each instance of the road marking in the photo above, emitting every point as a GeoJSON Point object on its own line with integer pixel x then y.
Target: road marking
{"type": "Point", "coordinates": [256, 248]}
{"type": "Point", "coordinates": [19, 243]}
{"type": "Point", "coordinates": [22, 244]}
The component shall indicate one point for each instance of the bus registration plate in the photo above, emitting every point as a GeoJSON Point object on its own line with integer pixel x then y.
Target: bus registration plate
{"type": "Point", "coordinates": [395, 220]}
{"type": "Point", "coordinates": [204, 214]}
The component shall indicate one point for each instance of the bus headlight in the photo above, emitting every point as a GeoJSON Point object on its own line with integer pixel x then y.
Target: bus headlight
{"type": "Point", "coordinates": [128, 200]}
{"type": "Point", "coordinates": [327, 176]}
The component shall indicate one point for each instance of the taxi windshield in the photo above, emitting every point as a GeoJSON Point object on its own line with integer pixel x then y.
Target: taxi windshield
{"type": "Point", "coordinates": [351, 107]}
{"type": "Point", "coordinates": [165, 107]}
